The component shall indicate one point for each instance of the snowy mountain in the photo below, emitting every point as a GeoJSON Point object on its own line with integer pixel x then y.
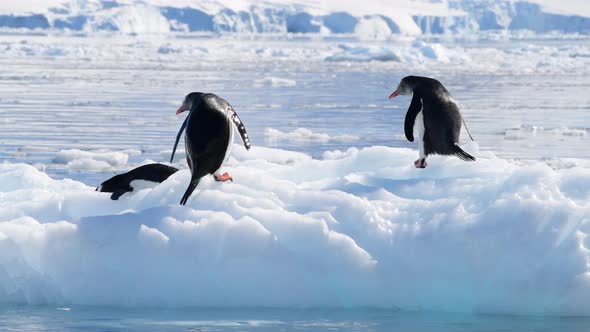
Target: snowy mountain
{"type": "Point", "coordinates": [372, 18]}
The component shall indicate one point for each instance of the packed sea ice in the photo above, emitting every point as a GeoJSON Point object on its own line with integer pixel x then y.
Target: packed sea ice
{"type": "Point", "coordinates": [359, 227]}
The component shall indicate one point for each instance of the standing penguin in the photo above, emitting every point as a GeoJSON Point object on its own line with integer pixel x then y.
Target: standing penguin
{"type": "Point", "coordinates": [209, 136]}
{"type": "Point", "coordinates": [437, 118]}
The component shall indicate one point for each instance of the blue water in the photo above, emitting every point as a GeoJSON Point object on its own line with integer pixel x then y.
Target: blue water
{"type": "Point", "coordinates": [79, 319]}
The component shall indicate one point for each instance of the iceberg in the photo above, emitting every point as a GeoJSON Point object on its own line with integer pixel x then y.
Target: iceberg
{"type": "Point", "coordinates": [375, 19]}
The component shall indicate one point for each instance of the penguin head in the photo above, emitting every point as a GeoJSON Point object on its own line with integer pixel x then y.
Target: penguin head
{"type": "Point", "coordinates": [405, 87]}
{"type": "Point", "coordinates": [112, 184]}
{"type": "Point", "coordinates": [190, 99]}
{"type": "Point", "coordinates": [117, 185]}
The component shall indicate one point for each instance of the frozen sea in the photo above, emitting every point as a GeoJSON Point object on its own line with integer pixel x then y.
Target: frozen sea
{"type": "Point", "coordinates": [84, 108]}
{"type": "Point", "coordinates": [524, 99]}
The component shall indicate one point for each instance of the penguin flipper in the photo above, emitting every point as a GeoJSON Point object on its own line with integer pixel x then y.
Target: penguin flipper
{"type": "Point", "coordinates": [120, 192]}
{"type": "Point", "coordinates": [413, 110]}
{"type": "Point", "coordinates": [457, 151]}
{"type": "Point", "coordinates": [241, 128]}
{"type": "Point", "coordinates": [178, 138]}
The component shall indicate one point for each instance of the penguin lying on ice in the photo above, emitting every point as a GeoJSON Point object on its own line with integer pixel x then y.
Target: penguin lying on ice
{"type": "Point", "coordinates": [132, 180]}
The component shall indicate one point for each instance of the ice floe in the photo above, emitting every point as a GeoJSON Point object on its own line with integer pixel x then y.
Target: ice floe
{"type": "Point", "coordinates": [304, 134]}
{"type": "Point", "coordinates": [356, 227]}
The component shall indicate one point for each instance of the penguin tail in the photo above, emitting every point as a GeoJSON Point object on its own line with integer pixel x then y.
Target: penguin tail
{"type": "Point", "coordinates": [462, 154]}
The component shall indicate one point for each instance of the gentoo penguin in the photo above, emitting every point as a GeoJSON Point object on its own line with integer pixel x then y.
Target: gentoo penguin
{"type": "Point", "coordinates": [209, 136]}
{"type": "Point", "coordinates": [127, 182]}
{"type": "Point", "coordinates": [437, 118]}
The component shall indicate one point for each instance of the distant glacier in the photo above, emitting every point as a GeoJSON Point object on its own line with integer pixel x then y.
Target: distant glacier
{"type": "Point", "coordinates": [460, 17]}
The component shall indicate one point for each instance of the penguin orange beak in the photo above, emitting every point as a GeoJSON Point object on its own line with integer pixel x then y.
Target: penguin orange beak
{"type": "Point", "coordinates": [180, 110]}
{"type": "Point", "coordinates": [391, 96]}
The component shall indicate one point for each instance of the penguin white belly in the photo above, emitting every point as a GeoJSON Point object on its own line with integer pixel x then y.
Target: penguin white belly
{"type": "Point", "coordinates": [419, 130]}
{"type": "Point", "coordinates": [138, 185]}
{"type": "Point", "coordinates": [230, 144]}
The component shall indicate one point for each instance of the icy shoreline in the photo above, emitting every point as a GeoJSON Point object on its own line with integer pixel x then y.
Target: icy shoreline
{"type": "Point", "coordinates": [355, 228]}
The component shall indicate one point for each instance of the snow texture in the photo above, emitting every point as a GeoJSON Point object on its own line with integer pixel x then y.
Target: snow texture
{"type": "Point", "coordinates": [363, 54]}
{"type": "Point", "coordinates": [409, 56]}
{"type": "Point", "coordinates": [305, 135]}
{"type": "Point", "coordinates": [355, 228]}
{"type": "Point", "coordinates": [98, 160]}
{"type": "Point", "coordinates": [276, 82]}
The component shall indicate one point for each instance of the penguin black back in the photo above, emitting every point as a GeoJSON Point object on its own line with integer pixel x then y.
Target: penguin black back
{"type": "Point", "coordinates": [440, 115]}
{"type": "Point", "coordinates": [121, 184]}
{"type": "Point", "coordinates": [208, 136]}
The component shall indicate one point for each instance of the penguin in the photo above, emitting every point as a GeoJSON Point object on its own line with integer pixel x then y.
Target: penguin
{"type": "Point", "coordinates": [130, 181]}
{"type": "Point", "coordinates": [436, 116]}
{"type": "Point", "coordinates": [209, 136]}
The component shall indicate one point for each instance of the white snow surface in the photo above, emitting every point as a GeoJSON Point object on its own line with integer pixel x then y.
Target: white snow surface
{"type": "Point", "coordinates": [360, 227]}
{"type": "Point", "coordinates": [363, 54]}
{"type": "Point", "coordinates": [305, 135]}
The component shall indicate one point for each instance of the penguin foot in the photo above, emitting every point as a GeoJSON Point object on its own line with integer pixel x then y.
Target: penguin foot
{"type": "Point", "coordinates": [223, 177]}
{"type": "Point", "coordinates": [420, 163]}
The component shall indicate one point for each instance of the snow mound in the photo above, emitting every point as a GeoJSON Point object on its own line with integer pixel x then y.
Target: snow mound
{"type": "Point", "coordinates": [432, 51]}
{"type": "Point", "coordinates": [363, 54]}
{"type": "Point", "coordinates": [304, 134]}
{"type": "Point", "coordinates": [360, 227]}
{"type": "Point", "coordinates": [416, 53]}
{"type": "Point", "coordinates": [373, 28]}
